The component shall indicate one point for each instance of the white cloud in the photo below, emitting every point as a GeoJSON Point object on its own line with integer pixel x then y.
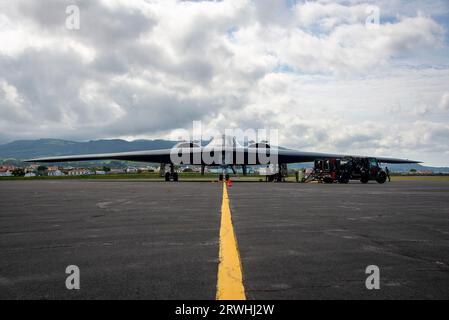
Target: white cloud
{"type": "Point", "coordinates": [444, 102]}
{"type": "Point", "coordinates": [312, 69]}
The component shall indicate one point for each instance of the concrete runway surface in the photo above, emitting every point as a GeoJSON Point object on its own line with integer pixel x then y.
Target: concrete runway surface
{"type": "Point", "coordinates": [153, 240]}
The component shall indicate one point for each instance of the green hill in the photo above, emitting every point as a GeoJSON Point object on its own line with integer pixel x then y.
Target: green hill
{"type": "Point", "coordinates": [26, 149]}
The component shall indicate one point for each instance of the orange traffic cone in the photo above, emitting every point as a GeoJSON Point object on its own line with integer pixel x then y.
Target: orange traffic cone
{"type": "Point", "coordinates": [229, 182]}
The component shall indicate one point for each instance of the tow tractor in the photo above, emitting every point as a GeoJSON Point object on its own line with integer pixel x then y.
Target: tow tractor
{"type": "Point", "coordinates": [344, 170]}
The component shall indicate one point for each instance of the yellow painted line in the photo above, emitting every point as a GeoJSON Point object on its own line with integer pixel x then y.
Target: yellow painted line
{"type": "Point", "coordinates": [230, 275]}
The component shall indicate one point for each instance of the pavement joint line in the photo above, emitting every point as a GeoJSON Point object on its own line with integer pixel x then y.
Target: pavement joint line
{"type": "Point", "coordinates": [230, 275]}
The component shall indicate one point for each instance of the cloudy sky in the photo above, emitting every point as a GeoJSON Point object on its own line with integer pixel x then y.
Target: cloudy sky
{"type": "Point", "coordinates": [322, 72]}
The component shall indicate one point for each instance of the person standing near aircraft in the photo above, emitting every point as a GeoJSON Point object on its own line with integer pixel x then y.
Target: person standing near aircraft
{"type": "Point", "coordinates": [387, 171]}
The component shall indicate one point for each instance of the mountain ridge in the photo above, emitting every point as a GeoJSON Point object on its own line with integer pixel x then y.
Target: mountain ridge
{"type": "Point", "coordinates": [26, 149]}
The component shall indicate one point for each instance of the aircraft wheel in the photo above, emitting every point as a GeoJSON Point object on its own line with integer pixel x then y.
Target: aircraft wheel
{"type": "Point", "coordinates": [328, 180]}
{"type": "Point", "coordinates": [175, 177]}
{"type": "Point", "coordinates": [364, 179]}
{"type": "Point", "coordinates": [221, 177]}
{"type": "Point", "coordinates": [343, 180]}
{"type": "Point", "coordinates": [382, 177]}
{"type": "Point", "coordinates": [167, 176]}
{"type": "Point", "coordinates": [227, 177]}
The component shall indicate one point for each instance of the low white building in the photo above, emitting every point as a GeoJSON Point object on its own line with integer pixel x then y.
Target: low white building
{"type": "Point", "coordinates": [30, 175]}
{"type": "Point", "coordinates": [79, 172]}
{"type": "Point", "coordinates": [31, 168]}
{"type": "Point", "coordinates": [117, 171]}
{"type": "Point", "coordinates": [55, 173]}
{"type": "Point", "coordinates": [5, 174]}
{"type": "Point", "coordinates": [132, 170]}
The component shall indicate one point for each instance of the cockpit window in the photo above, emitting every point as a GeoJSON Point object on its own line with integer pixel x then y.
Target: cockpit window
{"type": "Point", "coordinates": [223, 141]}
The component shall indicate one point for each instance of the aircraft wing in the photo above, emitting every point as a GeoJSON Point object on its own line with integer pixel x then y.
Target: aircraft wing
{"type": "Point", "coordinates": [292, 156]}
{"type": "Point", "coordinates": [156, 156]}
{"type": "Point", "coordinates": [163, 156]}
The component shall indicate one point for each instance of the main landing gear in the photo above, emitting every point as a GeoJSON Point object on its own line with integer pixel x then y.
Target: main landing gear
{"type": "Point", "coordinates": [280, 175]}
{"type": "Point", "coordinates": [172, 175]}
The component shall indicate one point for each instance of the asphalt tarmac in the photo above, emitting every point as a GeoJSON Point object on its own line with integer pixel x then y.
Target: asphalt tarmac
{"type": "Point", "coordinates": [132, 240]}
{"type": "Point", "coordinates": [155, 240]}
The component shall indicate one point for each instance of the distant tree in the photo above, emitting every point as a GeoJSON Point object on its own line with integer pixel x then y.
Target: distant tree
{"type": "Point", "coordinates": [41, 170]}
{"type": "Point", "coordinates": [106, 169]}
{"type": "Point", "coordinates": [18, 172]}
{"type": "Point", "coordinates": [413, 170]}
